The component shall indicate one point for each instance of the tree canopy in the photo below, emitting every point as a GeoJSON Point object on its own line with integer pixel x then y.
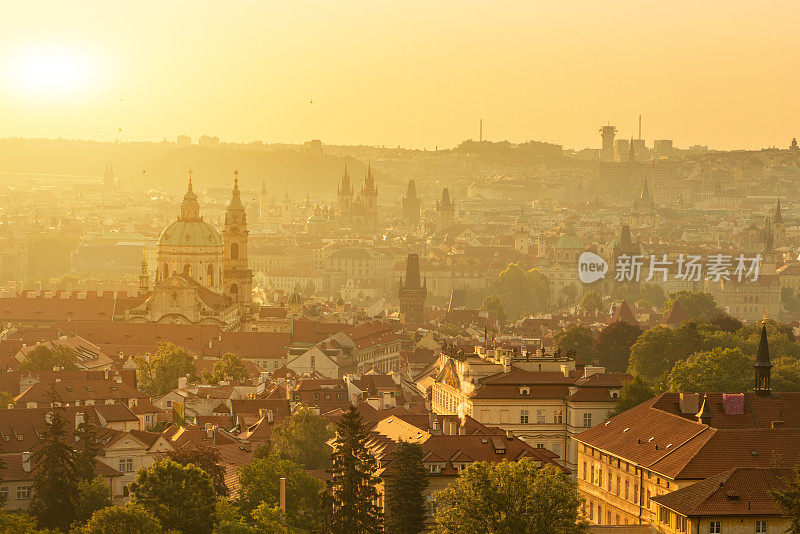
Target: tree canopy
{"type": "Point", "coordinates": [719, 369]}
{"type": "Point", "coordinates": [612, 347]}
{"type": "Point", "coordinates": [160, 373]}
{"type": "Point", "coordinates": [229, 367]}
{"type": "Point", "coordinates": [521, 292]}
{"type": "Point", "coordinates": [577, 340]}
{"type": "Point", "coordinates": [697, 306]}
{"type": "Point", "coordinates": [181, 497]}
{"type": "Point", "coordinates": [302, 438]}
{"type": "Point", "coordinates": [128, 519]}
{"type": "Point", "coordinates": [509, 498]}
{"type": "Point", "coordinates": [43, 358]}
{"type": "Point", "coordinates": [207, 459]}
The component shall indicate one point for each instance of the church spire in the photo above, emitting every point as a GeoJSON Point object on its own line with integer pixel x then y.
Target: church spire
{"type": "Point", "coordinates": [763, 365]}
{"type": "Point", "coordinates": [631, 151]}
{"type": "Point", "coordinates": [778, 214]}
{"type": "Point", "coordinates": [190, 209]}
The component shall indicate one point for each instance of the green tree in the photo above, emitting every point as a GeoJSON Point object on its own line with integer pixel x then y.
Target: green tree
{"type": "Point", "coordinates": [42, 358]}
{"type": "Point", "coordinates": [494, 305]}
{"type": "Point", "coordinates": [405, 482]}
{"type": "Point", "coordinates": [181, 497]}
{"type": "Point", "coordinates": [728, 370]}
{"type": "Point", "coordinates": [653, 295]}
{"type": "Point", "coordinates": [509, 498]}
{"type": "Point", "coordinates": [577, 340]}
{"type": "Point", "coordinates": [128, 519]}
{"type": "Point", "coordinates": [590, 303]}
{"type": "Point", "coordinates": [726, 323]}
{"type": "Point", "coordinates": [785, 374]}
{"type": "Point", "coordinates": [85, 456]}
{"type": "Point", "coordinates": [269, 519]}
{"type": "Point", "coordinates": [159, 375]}
{"type": "Point", "coordinates": [633, 393]}
{"type": "Point", "coordinates": [520, 291]}
{"type": "Point", "coordinates": [207, 459]}
{"type": "Point", "coordinates": [55, 482]}
{"type": "Point", "coordinates": [19, 523]}
{"type": "Point", "coordinates": [302, 438]}
{"type": "Point", "coordinates": [260, 483]}
{"type": "Point", "coordinates": [789, 500]}
{"type": "Point", "coordinates": [696, 305]}
{"type": "Point", "coordinates": [612, 348]}
{"type": "Point", "coordinates": [350, 494]}
{"type": "Point", "coordinates": [655, 352]}
{"type": "Point", "coordinates": [93, 495]}
{"type": "Point", "coordinates": [229, 367]}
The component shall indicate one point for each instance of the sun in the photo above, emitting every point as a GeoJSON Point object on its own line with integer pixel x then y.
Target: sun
{"type": "Point", "coordinates": [51, 71]}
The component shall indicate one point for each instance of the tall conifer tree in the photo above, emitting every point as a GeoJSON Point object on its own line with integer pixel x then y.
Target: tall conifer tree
{"type": "Point", "coordinates": [350, 496]}
{"type": "Point", "coordinates": [405, 483]}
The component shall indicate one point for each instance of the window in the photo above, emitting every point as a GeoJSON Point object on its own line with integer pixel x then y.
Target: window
{"type": "Point", "coordinates": [714, 527]}
{"type": "Point", "coordinates": [618, 484]}
{"type": "Point", "coordinates": [431, 505]}
{"type": "Point", "coordinates": [126, 465]}
{"type": "Point", "coordinates": [4, 493]}
{"type": "Point", "coordinates": [592, 474]}
{"type": "Point", "coordinates": [761, 527]}
{"type": "Point", "coordinates": [627, 489]}
{"type": "Point", "coordinates": [600, 477]}
{"type": "Point", "coordinates": [587, 419]}
{"type": "Point", "coordinates": [523, 417]}
{"type": "Point", "coordinates": [558, 416]}
{"type": "Point", "coordinates": [584, 470]}
{"type": "Point", "coordinates": [435, 468]}
{"type": "Point", "coordinates": [540, 445]}
{"type": "Point", "coordinates": [125, 491]}
{"type": "Point", "coordinates": [540, 416]}
{"type": "Point", "coordinates": [23, 492]}
{"type": "Point", "coordinates": [648, 499]}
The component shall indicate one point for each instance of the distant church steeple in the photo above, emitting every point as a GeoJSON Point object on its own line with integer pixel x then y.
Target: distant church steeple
{"type": "Point", "coordinates": [108, 177]}
{"type": "Point", "coordinates": [190, 208]}
{"type": "Point", "coordinates": [763, 366]}
{"type": "Point", "coordinates": [144, 276]}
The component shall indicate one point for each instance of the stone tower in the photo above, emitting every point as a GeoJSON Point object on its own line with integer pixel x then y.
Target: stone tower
{"type": "Point", "coordinates": [411, 204]}
{"type": "Point", "coordinates": [445, 210]}
{"type": "Point", "coordinates": [144, 275]}
{"type": "Point", "coordinates": [778, 227]}
{"type": "Point", "coordinates": [412, 293]}
{"type": "Point", "coordinates": [345, 193]}
{"type": "Point", "coordinates": [237, 277]}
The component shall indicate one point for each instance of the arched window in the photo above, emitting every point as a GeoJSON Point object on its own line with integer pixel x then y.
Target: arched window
{"type": "Point", "coordinates": [165, 272]}
{"type": "Point", "coordinates": [234, 289]}
{"type": "Point", "coordinates": [210, 276]}
{"type": "Point", "coordinates": [234, 251]}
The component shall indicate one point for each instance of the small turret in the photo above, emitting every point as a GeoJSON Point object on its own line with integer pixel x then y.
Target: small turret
{"type": "Point", "coordinates": [763, 366]}
{"type": "Point", "coordinates": [704, 415]}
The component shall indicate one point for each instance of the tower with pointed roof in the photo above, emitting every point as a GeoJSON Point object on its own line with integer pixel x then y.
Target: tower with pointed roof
{"type": "Point", "coordinates": [108, 177]}
{"type": "Point", "coordinates": [370, 193]}
{"type": "Point", "coordinates": [768, 256]}
{"type": "Point", "coordinates": [778, 227]}
{"type": "Point", "coordinates": [763, 366]}
{"type": "Point", "coordinates": [445, 211]}
{"type": "Point", "coordinates": [345, 193]}
{"type": "Point", "coordinates": [412, 292]}
{"type": "Point", "coordinates": [411, 204]}
{"type": "Point", "coordinates": [237, 276]}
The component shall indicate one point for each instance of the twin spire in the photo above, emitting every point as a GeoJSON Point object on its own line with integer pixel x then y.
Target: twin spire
{"type": "Point", "coordinates": [190, 208]}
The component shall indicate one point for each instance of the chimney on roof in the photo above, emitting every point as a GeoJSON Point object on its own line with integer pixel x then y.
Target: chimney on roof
{"type": "Point", "coordinates": [270, 416]}
{"type": "Point", "coordinates": [690, 403]}
{"type": "Point", "coordinates": [183, 382]}
{"type": "Point", "coordinates": [26, 461]}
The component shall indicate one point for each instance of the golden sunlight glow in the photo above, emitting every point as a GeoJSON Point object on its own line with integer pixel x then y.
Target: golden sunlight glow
{"type": "Point", "coordinates": [51, 71]}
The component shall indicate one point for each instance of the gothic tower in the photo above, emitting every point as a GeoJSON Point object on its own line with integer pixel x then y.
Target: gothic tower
{"type": "Point", "coordinates": [412, 293]}
{"type": "Point", "coordinates": [778, 227]}
{"type": "Point", "coordinates": [345, 193]}
{"type": "Point", "coordinates": [445, 210]}
{"type": "Point", "coordinates": [237, 277]}
{"type": "Point", "coordinates": [411, 204]}
{"type": "Point", "coordinates": [370, 193]}
{"type": "Point", "coordinates": [144, 276]}
{"type": "Point", "coordinates": [768, 255]}
{"type": "Point", "coordinates": [108, 177]}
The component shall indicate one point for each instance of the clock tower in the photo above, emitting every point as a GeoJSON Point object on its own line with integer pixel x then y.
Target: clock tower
{"type": "Point", "coordinates": [237, 277]}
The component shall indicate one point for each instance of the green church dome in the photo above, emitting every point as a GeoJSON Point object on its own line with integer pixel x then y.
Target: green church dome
{"type": "Point", "coordinates": [194, 233]}
{"type": "Point", "coordinates": [569, 242]}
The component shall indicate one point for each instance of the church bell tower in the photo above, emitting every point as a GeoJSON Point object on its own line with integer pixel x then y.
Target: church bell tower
{"type": "Point", "coordinates": [236, 275]}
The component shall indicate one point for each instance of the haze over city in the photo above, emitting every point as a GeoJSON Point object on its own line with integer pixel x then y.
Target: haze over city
{"type": "Point", "coordinates": [417, 74]}
{"type": "Point", "coordinates": [399, 267]}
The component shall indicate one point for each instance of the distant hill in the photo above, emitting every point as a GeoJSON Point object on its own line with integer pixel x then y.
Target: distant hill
{"type": "Point", "coordinates": [165, 165]}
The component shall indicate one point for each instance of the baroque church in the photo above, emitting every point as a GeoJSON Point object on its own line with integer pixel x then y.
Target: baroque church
{"type": "Point", "coordinates": [202, 276]}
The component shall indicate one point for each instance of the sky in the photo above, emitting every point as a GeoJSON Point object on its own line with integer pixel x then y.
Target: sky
{"type": "Point", "coordinates": [416, 74]}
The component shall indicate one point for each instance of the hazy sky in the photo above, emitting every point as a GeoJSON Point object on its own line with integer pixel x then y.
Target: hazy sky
{"type": "Point", "coordinates": [416, 74]}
